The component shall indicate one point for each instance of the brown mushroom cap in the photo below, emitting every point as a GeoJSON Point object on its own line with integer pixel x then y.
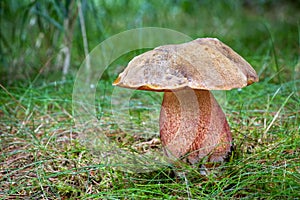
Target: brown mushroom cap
{"type": "Point", "coordinates": [204, 63]}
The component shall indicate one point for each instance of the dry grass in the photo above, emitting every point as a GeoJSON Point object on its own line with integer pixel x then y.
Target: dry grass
{"type": "Point", "coordinates": [41, 156]}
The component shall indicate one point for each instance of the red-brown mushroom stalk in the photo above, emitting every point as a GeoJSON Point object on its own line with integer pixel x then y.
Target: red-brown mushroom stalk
{"type": "Point", "coordinates": [192, 124]}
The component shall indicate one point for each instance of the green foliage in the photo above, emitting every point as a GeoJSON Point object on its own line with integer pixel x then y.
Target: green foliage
{"type": "Point", "coordinates": [31, 31]}
{"type": "Point", "coordinates": [41, 156]}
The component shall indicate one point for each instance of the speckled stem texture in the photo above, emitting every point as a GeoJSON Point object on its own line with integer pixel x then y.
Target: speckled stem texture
{"type": "Point", "coordinates": [193, 126]}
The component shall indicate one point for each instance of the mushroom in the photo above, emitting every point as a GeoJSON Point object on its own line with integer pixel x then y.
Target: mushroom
{"type": "Point", "coordinates": [192, 124]}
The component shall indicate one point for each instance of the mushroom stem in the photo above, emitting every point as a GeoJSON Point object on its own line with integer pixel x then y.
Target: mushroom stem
{"type": "Point", "coordinates": [193, 125]}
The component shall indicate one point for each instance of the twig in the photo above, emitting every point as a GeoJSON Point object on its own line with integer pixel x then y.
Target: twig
{"type": "Point", "coordinates": [276, 115]}
{"type": "Point", "coordinates": [69, 23]}
{"type": "Point", "coordinates": [84, 38]}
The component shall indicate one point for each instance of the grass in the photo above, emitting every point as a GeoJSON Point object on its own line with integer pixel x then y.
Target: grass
{"type": "Point", "coordinates": [42, 157]}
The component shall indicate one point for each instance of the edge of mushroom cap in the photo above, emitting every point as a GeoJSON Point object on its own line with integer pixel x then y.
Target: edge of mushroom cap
{"type": "Point", "coordinates": [158, 89]}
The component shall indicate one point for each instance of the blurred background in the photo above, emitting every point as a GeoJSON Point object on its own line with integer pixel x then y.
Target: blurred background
{"type": "Point", "coordinates": [48, 38]}
{"type": "Point", "coordinates": [42, 46]}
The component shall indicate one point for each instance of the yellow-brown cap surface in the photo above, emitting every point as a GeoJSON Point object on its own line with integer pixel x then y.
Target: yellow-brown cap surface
{"type": "Point", "coordinates": [204, 63]}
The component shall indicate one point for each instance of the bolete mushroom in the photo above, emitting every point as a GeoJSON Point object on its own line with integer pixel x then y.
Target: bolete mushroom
{"type": "Point", "coordinates": [192, 124]}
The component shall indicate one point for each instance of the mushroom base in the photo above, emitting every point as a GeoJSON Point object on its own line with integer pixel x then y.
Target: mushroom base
{"type": "Point", "coordinates": [193, 126]}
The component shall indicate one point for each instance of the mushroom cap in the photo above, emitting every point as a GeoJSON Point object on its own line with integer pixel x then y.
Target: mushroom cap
{"type": "Point", "coordinates": [204, 63]}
